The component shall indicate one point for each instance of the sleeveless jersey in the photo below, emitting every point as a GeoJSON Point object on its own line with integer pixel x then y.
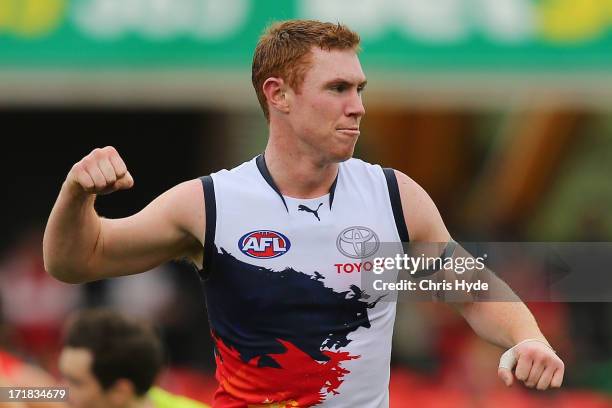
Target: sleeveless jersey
{"type": "Point", "coordinates": [282, 276]}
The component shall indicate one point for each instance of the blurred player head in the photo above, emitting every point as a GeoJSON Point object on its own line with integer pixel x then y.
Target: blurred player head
{"type": "Point", "coordinates": [308, 80]}
{"type": "Point", "coordinates": [108, 360]}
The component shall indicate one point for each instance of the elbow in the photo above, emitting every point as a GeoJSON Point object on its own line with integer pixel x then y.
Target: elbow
{"type": "Point", "coordinates": [62, 272]}
{"type": "Point", "coordinates": [65, 269]}
{"type": "Point", "coordinates": [67, 277]}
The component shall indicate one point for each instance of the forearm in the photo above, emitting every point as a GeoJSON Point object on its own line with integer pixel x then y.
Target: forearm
{"type": "Point", "coordinates": [501, 323]}
{"type": "Point", "coordinates": [71, 234]}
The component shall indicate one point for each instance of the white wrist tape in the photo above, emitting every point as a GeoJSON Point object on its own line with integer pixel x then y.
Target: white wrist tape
{"type": "Point", "coordinates": [508, 359]}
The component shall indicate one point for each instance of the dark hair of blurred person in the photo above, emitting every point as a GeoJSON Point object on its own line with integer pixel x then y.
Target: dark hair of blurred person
{"type": "Point", "coordinates": [111, 361]}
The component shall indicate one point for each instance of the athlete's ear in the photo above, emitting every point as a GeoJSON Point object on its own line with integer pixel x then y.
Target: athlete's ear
{"type": "Point", "coordinates": [275, 91]}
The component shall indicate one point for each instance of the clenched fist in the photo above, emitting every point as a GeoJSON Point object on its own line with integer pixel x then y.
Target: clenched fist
{"type": "Point", "coordinates": [537, 365]}
{"type": "Point", "coordinates": [100, 172]}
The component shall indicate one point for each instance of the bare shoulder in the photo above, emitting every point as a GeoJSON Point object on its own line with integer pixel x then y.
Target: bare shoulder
{"type": "Point", "coordinates": [185, 202]}
{"type": "Point", "coordinates": [422, 217]}
{"type": "Point", "coordinates": [183, 205]}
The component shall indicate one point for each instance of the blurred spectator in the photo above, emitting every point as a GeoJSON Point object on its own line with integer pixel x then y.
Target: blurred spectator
{"type": "Point", "coordinates": [14, 372]}
{"type": "Point", "coordinates": [147, 296]}
{"type": "Point", "coordinates": [34, 304]}
{"type": "Point", "coordinates": [111, 361]}
{"type": "Point", "coordinates": [170, 297]}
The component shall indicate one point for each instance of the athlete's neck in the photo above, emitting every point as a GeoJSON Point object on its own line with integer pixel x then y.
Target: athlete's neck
{"type": "Point", "coordinates": [296, 173]}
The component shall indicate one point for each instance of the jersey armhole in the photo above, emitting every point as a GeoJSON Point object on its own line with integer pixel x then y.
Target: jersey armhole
{"type": "Point", "coordinates": [210, 206]}
{"type": "Point", "coordinates": [396, 204]}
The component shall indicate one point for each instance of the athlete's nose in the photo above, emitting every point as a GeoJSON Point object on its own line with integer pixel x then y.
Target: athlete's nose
{"type": "Point", "coordinates": [355, 105]}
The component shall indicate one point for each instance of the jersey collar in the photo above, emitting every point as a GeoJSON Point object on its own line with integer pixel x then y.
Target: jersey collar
{"type": "Point", "coordinates": [263, 169]}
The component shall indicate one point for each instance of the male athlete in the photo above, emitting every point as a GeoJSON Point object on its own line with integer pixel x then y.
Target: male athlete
{"type": "Point", "coordinates": [291, 329]}
{"type": "Point", "coordinates": [109, 361]}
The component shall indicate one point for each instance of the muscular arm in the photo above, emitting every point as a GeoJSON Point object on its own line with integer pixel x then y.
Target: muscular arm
{"type": "Point", "coordinates": [504, 324]}
{"type": "Point", "coordinates": [80, 246]}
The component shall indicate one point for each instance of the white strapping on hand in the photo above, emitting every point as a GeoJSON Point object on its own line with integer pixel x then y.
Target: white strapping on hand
{"type": "Point", "coordinates": [508, 359]}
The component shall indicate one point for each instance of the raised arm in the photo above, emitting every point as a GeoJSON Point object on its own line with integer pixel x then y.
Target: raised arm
{"type": "Point", "coordinates": [509, 325]}
{"type": "Point", "coordinates": [80, 246]}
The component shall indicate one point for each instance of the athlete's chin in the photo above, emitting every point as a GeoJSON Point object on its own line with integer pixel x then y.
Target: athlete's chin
{"type": "Point", "coordinates": [343, 148]}
{"type": "Point", "coordinates": [342, 155]}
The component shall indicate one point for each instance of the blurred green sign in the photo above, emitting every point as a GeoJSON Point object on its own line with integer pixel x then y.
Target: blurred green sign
{"type": "Point", "coordinates": [518, 35]}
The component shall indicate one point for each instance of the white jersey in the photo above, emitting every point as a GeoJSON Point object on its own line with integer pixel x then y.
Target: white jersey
{"type": "Point", "coordinates": [282, 279]}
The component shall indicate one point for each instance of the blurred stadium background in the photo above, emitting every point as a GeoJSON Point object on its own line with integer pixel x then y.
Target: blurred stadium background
{"type": "Point", "coordinates": [501, 109]}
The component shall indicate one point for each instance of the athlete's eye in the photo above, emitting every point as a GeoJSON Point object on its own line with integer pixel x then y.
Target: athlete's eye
{"type": "Point", "coordinates": [339, 87]}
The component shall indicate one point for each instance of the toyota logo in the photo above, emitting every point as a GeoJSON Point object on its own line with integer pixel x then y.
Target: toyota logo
{"type": "Point", "coordinates": [358, 242]}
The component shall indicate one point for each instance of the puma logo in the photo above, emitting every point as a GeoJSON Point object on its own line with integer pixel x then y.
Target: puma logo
{"type": "Point", "coordinates": [314, 212]}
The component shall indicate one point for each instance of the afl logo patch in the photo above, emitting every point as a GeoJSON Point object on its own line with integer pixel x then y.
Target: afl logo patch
{"type": "Point", "coordinates": [264, 244]}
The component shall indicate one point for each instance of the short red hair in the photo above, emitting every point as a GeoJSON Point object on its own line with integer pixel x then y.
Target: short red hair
{"type": "Point", "coordinates": [284, 48]}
